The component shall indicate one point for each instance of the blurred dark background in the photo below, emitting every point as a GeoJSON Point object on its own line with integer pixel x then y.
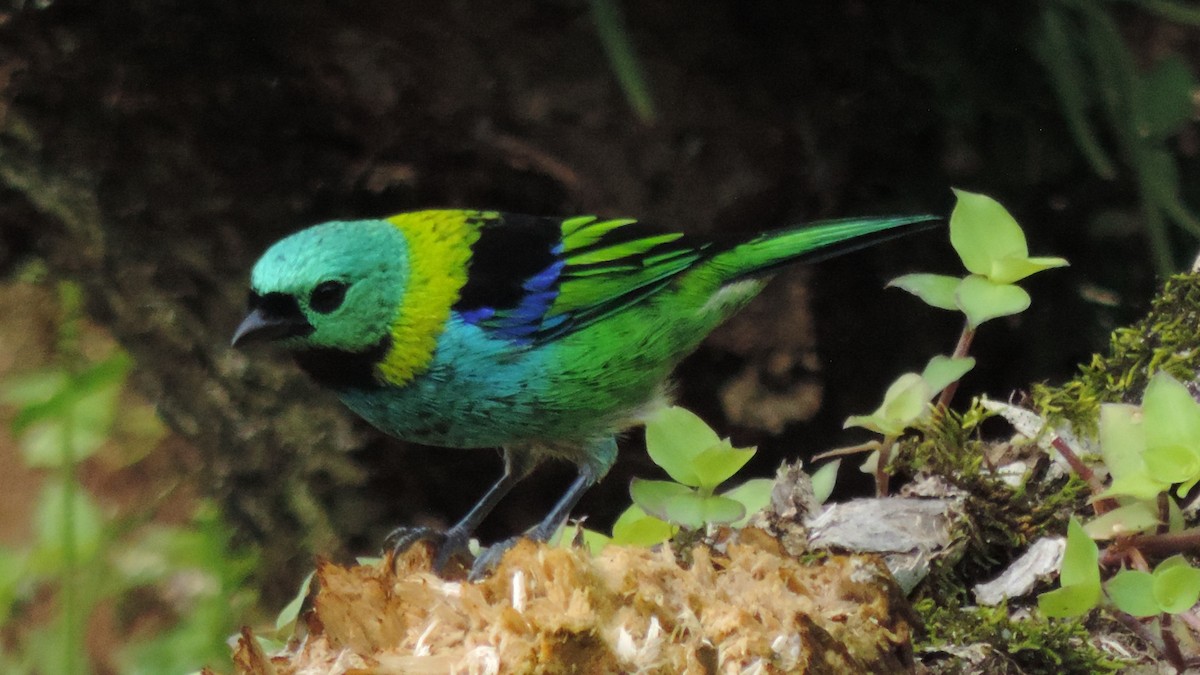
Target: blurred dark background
{"type": "Point", "coordinates": [151, 150]}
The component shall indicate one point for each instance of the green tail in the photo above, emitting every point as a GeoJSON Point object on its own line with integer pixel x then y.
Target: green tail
{"type": "Point", "coordinates": [809, 243]}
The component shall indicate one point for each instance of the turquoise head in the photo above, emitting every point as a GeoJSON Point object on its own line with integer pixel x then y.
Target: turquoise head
{"type": "Point", "coordinates": [332, 286]}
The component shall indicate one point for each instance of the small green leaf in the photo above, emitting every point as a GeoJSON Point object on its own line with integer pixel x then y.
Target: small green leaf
{"type": "Point", "coordinates": [906, 401]}
{"type": "Point", "coordinates": [1069, 601]}
{"type": "Point", "coordinates": [1164, 102]}
{"type": "Point", "coordinates": [1081, 558]}
{"type": "Point", "coordinates": [30, 388]}
{"type": "Point", "coordinates": [1186, 487]}
{"type": "Point", "coordinates": [982, 231]}
{"type": "Point", "coordinates": [824, 479]}
{"type": "Point", "coordinates": [991, 243]}
{"type": "Point", "coordinates": [1172, 416]}
{"type": "Point", "coordinates": [1012, 270]}
{"type": "Point", "coordinates": [1172, 463]}
{"type": "Point", "coordinates": [1175, 521]}
{"type": "Point", "coordinates": [291, 611]}
{"type": "Point", "coordinates": [936, 290]}
{"type": "Point", "coordinates": [983, 300]}
{"type": "Point", "coordinates": [717, 464]}
{"type": "Point", "coordinates": [1139, 485]}
{"type": "Point", "coordinates": [753, 495]}
{"type": "Point", "coordinates": [1176, 588]}
{"type": "Point", "coordinates": [942, 370]}
{"type": "Point", "coordinates": [674, 437]}
{"type": "Point", "coordinates": [52, 519]}
{"type": "Point", "coordinates": [1138, 516]}
{"type": "Point", "coordinates": [654, 496]}
{"type": "Point", "coordinates": [682, 505]}
{"type": "Point", "coordinates": [1122, 439]}
{"type": "Point", "coordinates": [1176, 560]}
{"type": "Point", "coordinates": [635, 527]}
{"type": "Point", "coordinates": [713, 509]}
{"type": "Point", "coordinates": [1132, 591]}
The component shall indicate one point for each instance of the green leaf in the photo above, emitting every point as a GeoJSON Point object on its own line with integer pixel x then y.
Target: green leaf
{"type": "Point", "coordinates": [1176, 560]}
{"type": "Point", "coordinates": [1172, 416]}
{"type": "Point", "coordinates": [824, 479]}
{"type": "Point", "coordinates": [905, 401]}
{"type": "Point", "coordinates": [717, 464]}
{"type": "Point", "coordinates": [1139, 485]}
{"type": "Point", "coordinates": [942, 370]}
{"type": "Point", "coordinates": [983, 300]}
{"type": "Point", "coordinates": [991, 243]}
{"type": "Point", "coordinates": [654, 497]}
{"type": "Point", "coordinates": [291, 611]}
{"type": "Point", "coordinates": [754, 495]}
{"type": "Point", "coordinates": [1164, 102]}
{"type": "Point", "coordinates": [1176, 587]}
{"type": "Point", "coordinates": [76, 420]}
{"type": "Point", "coordinates": [52, 518]}
{"type": "Point", "coordinates": [674, 437]}
{"type": "Point", "coordinates": [85, 425]}
{"type": "Point", "coordinates": [682, 505]}
{"type": "Point", "coordinates": [610, 26]}
{"type": "Point", "coordinates": [1079, 577]}
{"type": "Point", "coordinates": [936, 290]}
{"type": "Point", "coordinates": [982, 232]}
{"type": "Point", "coordinates": [1138, 516]}
{"type": "Point", "coordinates": [1011, 270]}
{"type": "Point", "coordinates": [1132, 591]}
{"type": "Point", "coordinates": [713, 509]}
{"type": "Point", "coordinates": [1069, 601]}
{"type": "Point", "coordinates": [30, 388]}
{"type": "Point", "coordinates": [1172, 463]}
{"type": "Point", "coordinates": [635, 527]}
{"type": "Point", "coordinates": [1081, 558]}
{"type": "Point", "coordinates": [1122, 439]}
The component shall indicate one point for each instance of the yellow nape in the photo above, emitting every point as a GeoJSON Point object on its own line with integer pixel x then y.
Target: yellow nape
{"type": "Point", "coordinates": [439, 249]}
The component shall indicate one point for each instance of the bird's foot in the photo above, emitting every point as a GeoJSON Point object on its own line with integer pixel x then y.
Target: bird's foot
{"type": "Point", "coordinates": [450, 544]}
{"type": "Point", "coordinates": [487, 561]}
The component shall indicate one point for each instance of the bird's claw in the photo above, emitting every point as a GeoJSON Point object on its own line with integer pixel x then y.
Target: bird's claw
{"type": "Point", "coordinates": [487, 561]}
{"type": "Point", "coordinates": [450, 544]}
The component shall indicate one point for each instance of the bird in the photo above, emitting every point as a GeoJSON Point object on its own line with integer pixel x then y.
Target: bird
{"type": "Point", "coordinates": [544, 337]}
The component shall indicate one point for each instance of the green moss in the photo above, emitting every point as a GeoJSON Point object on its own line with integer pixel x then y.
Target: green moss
{"type": "Point", "coordinates": [1002, 519]}
{"type": "Point", "coordinates": [1166, 339]}
{"type": "Point", "coordinates": [1029, 645]}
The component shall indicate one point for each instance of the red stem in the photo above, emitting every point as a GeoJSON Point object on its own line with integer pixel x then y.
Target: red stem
{"type": "Point", "coordinates": [960, 351]}
{"type": "Point", "coordinates": [1084, 472]}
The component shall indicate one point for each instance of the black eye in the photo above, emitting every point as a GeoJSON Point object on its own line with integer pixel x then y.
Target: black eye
{"type": "Point", "coordinates": [327, 296]}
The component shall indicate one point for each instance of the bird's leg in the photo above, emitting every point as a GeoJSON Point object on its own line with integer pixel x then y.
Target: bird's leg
{"type": "Point", "coordinates": [598, 459]}
{"type": "Point", "coordinates": [454, 541]}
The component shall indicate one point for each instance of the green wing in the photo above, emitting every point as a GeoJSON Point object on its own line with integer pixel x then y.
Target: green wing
{"type": "Point", "coordinates": [532, 280]}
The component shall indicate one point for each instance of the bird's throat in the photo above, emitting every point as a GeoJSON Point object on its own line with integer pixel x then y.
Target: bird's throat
{"type": "Point", "coordinates": [341, 370]}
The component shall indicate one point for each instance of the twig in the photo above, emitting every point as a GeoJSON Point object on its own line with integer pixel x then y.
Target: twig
{"type": "Point", "coordinates": [1163, 545]}
{"type": "Point", "coordinates": [1171, 644]}
{"type": "Point", "coordinates": [1137, 628]}
{"type": "Point", "coordinates": [1085, 472]}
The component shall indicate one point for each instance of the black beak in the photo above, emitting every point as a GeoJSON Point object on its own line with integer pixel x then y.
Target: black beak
{"type": "Point", "coordinates": [259, 326]}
